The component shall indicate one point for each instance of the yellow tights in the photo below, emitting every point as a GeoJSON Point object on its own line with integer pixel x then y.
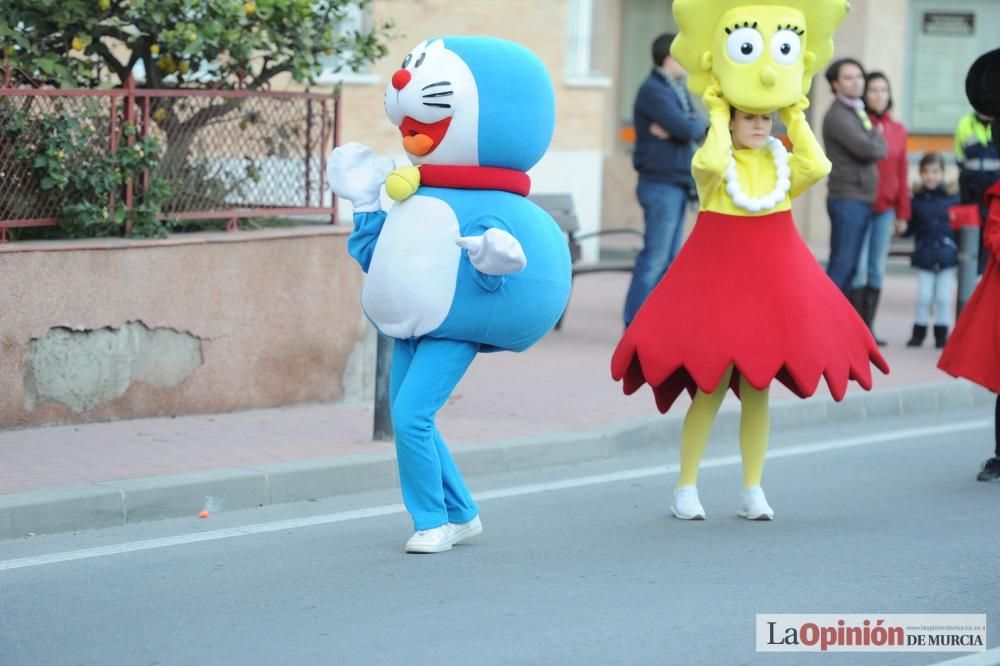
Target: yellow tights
{"type": "Point", "coordinates": [755, 423]}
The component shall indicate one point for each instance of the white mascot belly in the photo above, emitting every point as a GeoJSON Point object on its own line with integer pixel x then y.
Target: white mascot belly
{"type": "Point", "coordinates": [411, 279]}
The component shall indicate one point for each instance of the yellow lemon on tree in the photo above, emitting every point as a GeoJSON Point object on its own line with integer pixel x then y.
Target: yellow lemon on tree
{"type": "Point", "coordinates": [402, 183]}
{"type": "Point", "coordinates": [105, 5]}
{"type": "Point", "coordinates": [192, 36]}
{"type": "Point", "coordinates": [77, 43]}
{"type": "Point", "coordinates": [167, 64]}
{"type": "Point", "coordinates": [160, 115]}
{"type": "Point", "coordinates": [250, 8]}
{"type": "Point", "coordinates": [154, 48]}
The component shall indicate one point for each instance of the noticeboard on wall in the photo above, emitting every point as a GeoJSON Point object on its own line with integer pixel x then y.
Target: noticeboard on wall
{"type": "Point", "coordinates": [946, 38]}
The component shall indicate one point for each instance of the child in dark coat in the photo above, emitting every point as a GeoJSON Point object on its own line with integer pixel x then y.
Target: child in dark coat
{"type": "Point", "coordinates": [936, 253]}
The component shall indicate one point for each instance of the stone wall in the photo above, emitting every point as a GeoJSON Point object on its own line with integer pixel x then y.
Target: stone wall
{"type": "Point", "coordinates": [98, 330]}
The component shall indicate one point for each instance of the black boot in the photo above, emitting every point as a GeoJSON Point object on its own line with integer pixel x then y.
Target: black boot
{"type": "Point", "coordinates": [871, 297]}
{"type": "Point", "coordinates": [940, 336]}
{"type": "Point", "coordinates": [857, 299]}
{"type": "Point", "coordinates": [919, 333]}
{"type": "Point", "coordinates": [990, 471]}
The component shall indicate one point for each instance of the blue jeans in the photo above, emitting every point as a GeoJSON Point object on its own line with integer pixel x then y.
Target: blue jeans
{"type": "Point", "coordinates": [935, 290]}
{"type": "Point", "coordinates": [875, 251]}
{"type": "Point", "coordinates": [424, 373]}
{"type": "Point", "coordinates": [850, 220]}
{"type": "Point", "coordinates": [663, 206]}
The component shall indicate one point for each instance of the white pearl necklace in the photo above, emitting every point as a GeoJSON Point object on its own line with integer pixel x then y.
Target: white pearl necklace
{"type": "Point", "coordinates": [772, 198]}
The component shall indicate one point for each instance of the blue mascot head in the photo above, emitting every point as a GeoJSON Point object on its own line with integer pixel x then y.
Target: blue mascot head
{"type": "Point", "coordinates": [472, 101]}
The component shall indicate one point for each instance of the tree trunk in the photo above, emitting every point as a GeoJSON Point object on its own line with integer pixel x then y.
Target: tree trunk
{"type": "Point", "coordinates": [176, 166]}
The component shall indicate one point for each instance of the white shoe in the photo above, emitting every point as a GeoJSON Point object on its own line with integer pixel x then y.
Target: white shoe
{"type": "Point", "coordinates": [435, 540]}
{"type": "Point", "coordinates": [442, 538]}
{"type": "Point", "coordinates": [467, 530]}
{"type": "Point", "coordinates": [686, 505]}
{"type": "Point", "coordinates": [755, 506]}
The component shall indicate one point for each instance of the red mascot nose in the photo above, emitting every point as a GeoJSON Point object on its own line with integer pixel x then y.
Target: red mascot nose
{"type": "Point", "coordinates": [400, 79]}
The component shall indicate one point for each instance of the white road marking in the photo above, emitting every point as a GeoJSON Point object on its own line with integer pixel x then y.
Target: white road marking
{"type": "Point", "coordinates": [514, 491]}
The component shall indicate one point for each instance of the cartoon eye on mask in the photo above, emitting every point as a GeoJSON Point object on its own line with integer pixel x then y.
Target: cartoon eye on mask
{"type": "Point", "coordinates": [409, 57]}
{"type": "Point", "coordinates": [744, 45]}
{"type": "Point", "coordinates": [785, 47]}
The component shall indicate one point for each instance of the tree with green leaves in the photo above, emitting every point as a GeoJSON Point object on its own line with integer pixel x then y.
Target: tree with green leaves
{"type": "Point", "coordinates": [180, 44]}
{"type": "Point", "coordinates": [185, 43]}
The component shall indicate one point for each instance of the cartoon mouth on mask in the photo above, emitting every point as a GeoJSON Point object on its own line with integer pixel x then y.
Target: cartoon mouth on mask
{"type": "Point", "coordinates": [422, 138]}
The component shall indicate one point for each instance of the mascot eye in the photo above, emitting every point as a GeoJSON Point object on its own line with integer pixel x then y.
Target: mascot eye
{"type": "Point", "coordinates": [420, 60]}
{"type": "Point", "coordinates": [744, 45]}
{"type": "Point", "coordinates": [406, 60]}
{"type": "Point", "coordinates": [785, 47]}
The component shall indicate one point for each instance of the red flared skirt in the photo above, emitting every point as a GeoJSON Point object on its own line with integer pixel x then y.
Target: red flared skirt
{"type": "Point", "coordinates": [745, 292]}
{"type": "Point", "coordinates": [973, 350]}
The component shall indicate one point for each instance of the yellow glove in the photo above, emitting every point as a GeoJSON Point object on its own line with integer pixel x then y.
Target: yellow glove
{"type": "Point", "coordinates": [714, 100]}
{"type": "Point", "coordinates": [402, 183]}
{"type": "Point", "coordinates": [797, 110]}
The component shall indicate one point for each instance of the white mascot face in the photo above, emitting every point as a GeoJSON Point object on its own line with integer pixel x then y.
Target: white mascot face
{"type": "Point", "coordinates": [434, 102]}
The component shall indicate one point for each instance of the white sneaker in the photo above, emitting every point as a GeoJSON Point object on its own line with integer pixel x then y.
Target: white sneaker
{"type": "Point", "coordinates": [686, 505]}
{"type": "Point", "coordinates": [467, 530]}
{"type": "Point", "coordinates": [755, 506]}
{"type": "Point", "coordinates": [435, 540]}
{"type": "Point", "coordinates": [443, 537]}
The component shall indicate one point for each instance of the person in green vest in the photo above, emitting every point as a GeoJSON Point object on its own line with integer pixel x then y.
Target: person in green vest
{"type": "Point", "coordinates": [978, 164]}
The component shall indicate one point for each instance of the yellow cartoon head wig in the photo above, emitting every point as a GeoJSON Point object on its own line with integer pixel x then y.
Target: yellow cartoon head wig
{"type": "Point", "coordinates": [763, 52]}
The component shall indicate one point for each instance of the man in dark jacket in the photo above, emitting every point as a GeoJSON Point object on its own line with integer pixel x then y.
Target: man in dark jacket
{"type": "Point", "coordinates": [854, 147]}
{"type": "Point", "coordinates": [666, 128]}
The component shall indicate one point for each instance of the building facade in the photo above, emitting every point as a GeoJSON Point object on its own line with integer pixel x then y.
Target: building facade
{"type": "Point", "coordinates": [597, 52]}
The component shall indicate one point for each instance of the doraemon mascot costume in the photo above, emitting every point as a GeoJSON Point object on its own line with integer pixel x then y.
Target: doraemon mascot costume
{"type": "Point", "coordinates": [463, 263]}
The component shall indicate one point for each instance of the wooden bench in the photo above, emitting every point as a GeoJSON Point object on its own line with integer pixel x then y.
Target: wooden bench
{"type": "Point", "coordinates": [562, 210]}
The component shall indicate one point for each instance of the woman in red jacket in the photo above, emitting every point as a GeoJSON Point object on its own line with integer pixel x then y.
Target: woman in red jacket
{"type": "Point", "coordinates": [973, 350]}
{"type": "Point", "coordinates": [892, 201]}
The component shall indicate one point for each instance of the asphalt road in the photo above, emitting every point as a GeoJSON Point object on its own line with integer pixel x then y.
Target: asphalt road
{"type": "Point", "coordinates": [577, 565]}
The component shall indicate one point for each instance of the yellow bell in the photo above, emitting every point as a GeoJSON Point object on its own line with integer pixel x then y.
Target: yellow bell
{"type": "Point", "coordinates": [402, 183]}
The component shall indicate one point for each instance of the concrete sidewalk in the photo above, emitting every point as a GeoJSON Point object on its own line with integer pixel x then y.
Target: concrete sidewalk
{"type": "Point", "coordinates": [552, 404]}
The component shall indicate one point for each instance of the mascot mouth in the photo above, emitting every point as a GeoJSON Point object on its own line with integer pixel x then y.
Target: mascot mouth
{"type": "Point", "coordinates": [422, 138]}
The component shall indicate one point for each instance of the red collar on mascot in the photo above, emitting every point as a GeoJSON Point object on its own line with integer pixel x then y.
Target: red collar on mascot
{"type": "Point", "coordinates": [475, 178]}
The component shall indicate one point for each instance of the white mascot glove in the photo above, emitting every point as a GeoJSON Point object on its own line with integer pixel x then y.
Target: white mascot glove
{"type": "Point", "coordinates": [355, 174]}
{"type": "Point", "coordinates": [496, 252]}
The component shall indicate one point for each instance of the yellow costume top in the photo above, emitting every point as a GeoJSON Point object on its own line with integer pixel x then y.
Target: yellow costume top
{"type": "Point", "coordinates": [759, 56]}
{"type": "Point", "coordinates": [755, 167]}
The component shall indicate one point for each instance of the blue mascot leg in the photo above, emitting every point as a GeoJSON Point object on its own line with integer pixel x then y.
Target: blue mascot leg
{"type": "Point", "coordinates": [424, 374]}
{"type": "Point", "coordinates": [457, 498]}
